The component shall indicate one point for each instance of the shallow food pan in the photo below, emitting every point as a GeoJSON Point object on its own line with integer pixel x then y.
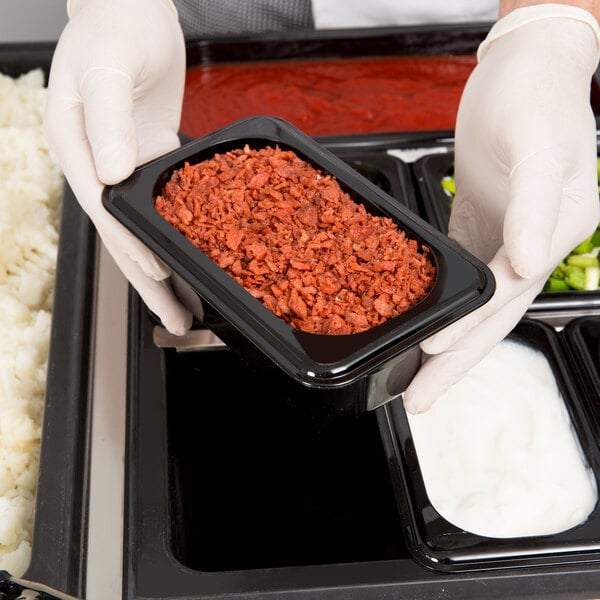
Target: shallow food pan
{"type": "Point", "coordinates": [429, 171]}
{"type": "Point", "coordinates": [582, 340]}
{"type": "Point", "coordinates": [462, 282]}
{"type": "Point", "coordinates": [391, 174]}
{"type": "Point", "coordinates": [442, 546]}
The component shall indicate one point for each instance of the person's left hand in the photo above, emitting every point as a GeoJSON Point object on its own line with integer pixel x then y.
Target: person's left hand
{"type": "Point", "coordinates": [526, 177]}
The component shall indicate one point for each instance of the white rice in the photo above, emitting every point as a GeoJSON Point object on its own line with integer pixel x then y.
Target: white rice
{"type": "Point", "coordinates": [31, 186]}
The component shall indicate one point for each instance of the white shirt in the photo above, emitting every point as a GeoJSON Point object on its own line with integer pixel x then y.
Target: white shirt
{"type": "Point", "coordinates": [334, 14]}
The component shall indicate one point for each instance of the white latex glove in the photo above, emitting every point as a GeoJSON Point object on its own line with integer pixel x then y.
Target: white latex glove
{"type": "Point", "coordinates": [114, 102]}
{"type": "Point", "coordinates": [526, 176]}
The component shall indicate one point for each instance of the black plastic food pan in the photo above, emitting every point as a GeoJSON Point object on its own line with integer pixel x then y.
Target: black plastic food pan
{"type": "Point", "coordinates": [582, 340]}
{"type": "Point", "coordinates": [429, 171]}
{"type": "Point", "coordinates": [227, 497]}
{"type": "Point", "coordinates": [462, 282]}
{"type": "Point", "coordinates": [390, 174]}
{"type": "Point", "coordinates": [440, 545]}
{"type": "Point", "coordinates": [436, 204]}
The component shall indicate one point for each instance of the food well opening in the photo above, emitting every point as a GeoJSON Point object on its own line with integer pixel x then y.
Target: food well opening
{"type": "Point", "coordinates": [260, 479]}
{"type": "Point", "coordinates": [590, 339]}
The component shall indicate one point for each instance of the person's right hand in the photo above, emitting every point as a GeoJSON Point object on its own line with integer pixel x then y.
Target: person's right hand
{"type": "Point", "coordinates": [526, 176]}
{"type": "Point", "coordinates": [114, 102]}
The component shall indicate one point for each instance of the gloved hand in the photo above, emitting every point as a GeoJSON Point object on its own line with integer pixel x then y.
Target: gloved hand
{"type": "Point", "coordinates": [114, 102]}
{"type": "Point", "coordinates": [526, 176]}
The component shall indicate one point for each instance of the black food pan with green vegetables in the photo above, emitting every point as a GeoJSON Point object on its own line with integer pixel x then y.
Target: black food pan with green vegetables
{"type": "Point", "coordinates": [574, 283]}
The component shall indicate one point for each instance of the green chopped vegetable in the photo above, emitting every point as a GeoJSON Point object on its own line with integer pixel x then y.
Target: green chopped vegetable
{"type": "Point", "coordinates": [580, 270]}
{"type": "Point", "coordinates": [449, 185]}
{"type": "Point", "coordinates": [592, 278]}
{"type": "Point", "coordinates": [559, 271]}
{"type": "Point", "coordinates": [576, 279]}
{"type": "Point", "coordinates": [582, 261]}
{"type": "Point", "coordinates": [585, 247]}
{"type": "Point", "coordinates": [553, 284]}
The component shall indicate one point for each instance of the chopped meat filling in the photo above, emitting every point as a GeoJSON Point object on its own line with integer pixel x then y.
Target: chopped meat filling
{"type": "Point", "coordinates": [289, 234]}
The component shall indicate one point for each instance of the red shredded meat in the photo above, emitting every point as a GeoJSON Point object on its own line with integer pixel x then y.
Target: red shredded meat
{"type": "Point", "coordinates": [296, 241]}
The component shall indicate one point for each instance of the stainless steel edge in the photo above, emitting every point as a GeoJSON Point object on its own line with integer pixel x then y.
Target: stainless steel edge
{"type": "Point", "coordinates": [104, 568]}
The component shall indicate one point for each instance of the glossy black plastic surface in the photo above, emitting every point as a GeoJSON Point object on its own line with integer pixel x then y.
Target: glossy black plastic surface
{"type": "Point", "coordinates": [582, 344]}
{"type": "Point", "coordinates": [462, 282]}
{"type": "Point", "coordinates": [429, 171]}
{"type": "Point", "coordinates": [304, 475]}
{"type": "Point", "coordinates": [236, 490]}
{"type": "Point", "coordinates": [390, 174]}
{"type": "Point", "coordinates": [441, 546]}
{"type": "Point", "coordinates": [59, 531]}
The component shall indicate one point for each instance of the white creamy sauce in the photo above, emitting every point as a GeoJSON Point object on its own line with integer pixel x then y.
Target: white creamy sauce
{"type": "Point", "coordinates": [498, 452]}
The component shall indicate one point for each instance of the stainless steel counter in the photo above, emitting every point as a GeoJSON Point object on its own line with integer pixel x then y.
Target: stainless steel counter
{"type": "Point", "coordinates": [104, 577]}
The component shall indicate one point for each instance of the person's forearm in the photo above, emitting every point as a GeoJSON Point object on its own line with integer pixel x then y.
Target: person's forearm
{"type": "Point", "coordinates": [592, 6]}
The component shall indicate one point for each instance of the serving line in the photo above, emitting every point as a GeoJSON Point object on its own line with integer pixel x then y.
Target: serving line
{"type": "Point", "coordinates": [105, 546]}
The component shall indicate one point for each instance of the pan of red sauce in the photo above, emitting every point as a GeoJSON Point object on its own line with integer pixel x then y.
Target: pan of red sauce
{"type": "Point", "coordinates": [330, 96]}
{"type": "Point", "coordinates": [354, 81]}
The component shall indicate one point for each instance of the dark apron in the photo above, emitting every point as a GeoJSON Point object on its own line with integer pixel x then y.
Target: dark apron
{"type": "Point", "coordinates": [214, 18]}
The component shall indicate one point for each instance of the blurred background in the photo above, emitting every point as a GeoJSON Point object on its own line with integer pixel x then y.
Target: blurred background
{"type": "Point", "coordinates": [17, 24]}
